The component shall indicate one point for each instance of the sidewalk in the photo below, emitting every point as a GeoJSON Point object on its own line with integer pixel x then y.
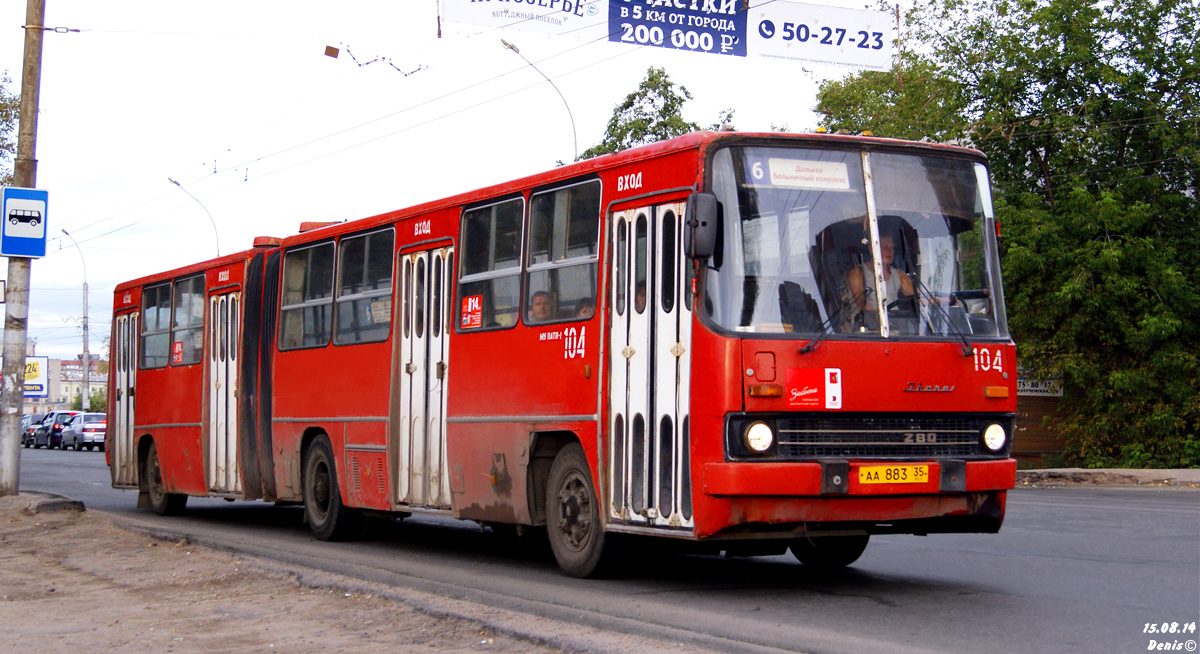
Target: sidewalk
{"type": "Point", "coordinates": [1059, 477]}
{"type": "Point", "coordinates": [73, 581]}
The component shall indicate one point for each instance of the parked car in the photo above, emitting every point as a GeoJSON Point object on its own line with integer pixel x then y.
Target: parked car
{"type": "Point", "coordinates": [49, 432]}
{"type": "Point", "coordinates": [27, 427]}
{"type": "Point", "coordinates": [85, 430]}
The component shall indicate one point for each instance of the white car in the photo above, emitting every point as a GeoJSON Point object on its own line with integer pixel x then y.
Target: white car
{"type": "Point", "coordinates": [85, 430]}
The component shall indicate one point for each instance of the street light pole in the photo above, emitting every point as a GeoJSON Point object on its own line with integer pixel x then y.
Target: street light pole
{"type": "Point", "coordinates": [86, 390]}
{"type": "Point", "coordinates": [515, 49]}
{"type": "Point", "coordinates": [210, 218]}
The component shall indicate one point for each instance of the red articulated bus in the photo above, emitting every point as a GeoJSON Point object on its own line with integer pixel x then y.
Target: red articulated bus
{"type": "Point", "coordinates": [752, 341]}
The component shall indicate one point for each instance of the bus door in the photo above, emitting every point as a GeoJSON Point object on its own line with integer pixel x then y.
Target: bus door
{"type": "Point", "coordinates": [223, 470]}
{"type": "Point", "coordinates": [650, 354]}
{"type": "Point", "coordinates": [123, 455]}
{"type": "Point", "coordinates": [422, 477]}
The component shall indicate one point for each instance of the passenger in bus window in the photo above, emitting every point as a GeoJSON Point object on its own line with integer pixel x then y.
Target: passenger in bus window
{"type": "Point", "coordinates": [541, 307]}
{"type": "Point", "coordinates": [585, 308]}
{"type": "Point", "coordinates": [639, 301]}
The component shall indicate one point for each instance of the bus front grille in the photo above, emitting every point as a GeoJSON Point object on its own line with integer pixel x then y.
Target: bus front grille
{"type": "Point", "coordinates": [870, 437]}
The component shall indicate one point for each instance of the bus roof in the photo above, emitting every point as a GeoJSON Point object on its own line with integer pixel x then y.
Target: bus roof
{"type": "Point", "coordinates": [701, 140]}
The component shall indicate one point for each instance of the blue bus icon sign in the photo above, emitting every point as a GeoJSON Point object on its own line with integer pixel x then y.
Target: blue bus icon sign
{"type": "Point", "coordinates": [24, 228]}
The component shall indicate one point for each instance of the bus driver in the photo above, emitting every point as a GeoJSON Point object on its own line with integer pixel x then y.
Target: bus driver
{"type": "Point", "coordinates": [897, 283]}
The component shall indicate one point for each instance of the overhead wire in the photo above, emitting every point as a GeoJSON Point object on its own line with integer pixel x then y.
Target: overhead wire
{"type": "Point", "coordinates": [259, 159]}
{"type": "Point", "coordinates": [371, 140]}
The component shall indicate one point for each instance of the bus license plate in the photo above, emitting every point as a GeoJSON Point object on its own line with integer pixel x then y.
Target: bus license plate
{"type": "Point", "coordinates": [893, 474]}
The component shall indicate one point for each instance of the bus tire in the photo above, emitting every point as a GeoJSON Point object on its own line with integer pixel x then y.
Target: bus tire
{"type": "Point", "coordinates": [161, 502]}
{"type": "Point", "coordinates": [327, 517]}
{"type": "Point", "coordinates": [573, 525]}
{"type": "Point", "coordinates": [829, 553]}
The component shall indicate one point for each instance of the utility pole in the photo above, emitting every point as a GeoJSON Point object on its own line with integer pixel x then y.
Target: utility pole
{"type": "Point", "coordinates": [85, 391]}
{"type": "Point", "coordinates": [16, 319]}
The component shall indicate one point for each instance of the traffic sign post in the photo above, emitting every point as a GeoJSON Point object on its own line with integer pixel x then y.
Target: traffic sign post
{"type": "Point", "coordinates": [24, 216]}
{"type": "Point", "coordinates": [16, 309]}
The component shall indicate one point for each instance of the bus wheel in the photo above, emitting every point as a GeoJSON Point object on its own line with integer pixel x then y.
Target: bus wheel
{"type": "Point", "coordinates": [829, 552]}
{"type": "Point", "coordinates": [162, 502]}
{"type": "Point", "coordinates": [327, 517]}
{"type": "Point", "coordinates": [577, 537]}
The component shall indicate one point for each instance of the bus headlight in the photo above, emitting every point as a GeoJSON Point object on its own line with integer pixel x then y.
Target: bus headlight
{"type": "Point", "coordinates": [759, 437]}
{"type": "Point", "coordinates": [994, 437]}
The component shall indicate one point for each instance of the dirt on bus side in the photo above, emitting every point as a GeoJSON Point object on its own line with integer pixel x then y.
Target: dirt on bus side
{"type": "Point", "coordinates": [74, 581]}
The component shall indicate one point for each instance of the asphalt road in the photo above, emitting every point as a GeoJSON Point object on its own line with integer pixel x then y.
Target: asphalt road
{"type": "Point", "coordinates": [1073, 570]}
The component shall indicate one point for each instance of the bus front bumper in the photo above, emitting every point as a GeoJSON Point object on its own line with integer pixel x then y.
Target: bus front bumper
{"type": "Point", "coordinates": [944, 497]}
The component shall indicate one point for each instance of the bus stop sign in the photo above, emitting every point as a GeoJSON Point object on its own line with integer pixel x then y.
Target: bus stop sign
{"type": "Point", "coordinates": [24, 215]}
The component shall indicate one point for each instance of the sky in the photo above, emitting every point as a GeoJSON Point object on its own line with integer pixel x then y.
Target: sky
{"type": "Point", "coordinates": [238, 102]}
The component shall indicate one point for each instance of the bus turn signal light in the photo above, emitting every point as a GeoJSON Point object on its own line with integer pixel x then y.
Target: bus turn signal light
{"type": "Point", "coordinates": [766, 390]}
{"type": "Point", "coordinates": [995, 391]}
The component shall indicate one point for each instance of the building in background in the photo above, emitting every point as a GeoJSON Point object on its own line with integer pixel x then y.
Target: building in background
{"type": "Point", "coordinates": [65, 381]}
{"type": "Point", "coordinates": [71, 377]}
{"type": "Point", "coordinates": [1037, 443]}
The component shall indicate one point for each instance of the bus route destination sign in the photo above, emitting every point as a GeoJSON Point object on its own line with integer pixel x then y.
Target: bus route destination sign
{"type": "Point", "coordinates": [24, 215]}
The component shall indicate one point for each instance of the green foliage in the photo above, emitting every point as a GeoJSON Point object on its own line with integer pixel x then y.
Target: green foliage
{"type": "Point", "coordinates": [724, 121]}
{"type": "Point", "coordinates": [1088, 113]}
{"type": "Point", "coordinates": [651, 113]}
{"type": "Point", "coordinates": [1096, 296]}
{"type": "Point", "coordinates": [98, 401]}
{"type": "Point", "coordinates": [913, 101]}
{"type": "Point", "coordinates": [1061, 92]}
{"type": "Point", "coordinates": [10, 105]}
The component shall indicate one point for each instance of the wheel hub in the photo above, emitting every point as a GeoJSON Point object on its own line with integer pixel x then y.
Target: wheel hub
{"type": "Point", "coordinates": [574, 501]}
{"type": "Point", "coordinates": [321, 492]}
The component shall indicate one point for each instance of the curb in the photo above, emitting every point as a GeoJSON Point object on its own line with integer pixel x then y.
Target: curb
{"type": "Point", "coordinates": [40, 502]}
{"type": "Point", "coordinates": [1060, 477]}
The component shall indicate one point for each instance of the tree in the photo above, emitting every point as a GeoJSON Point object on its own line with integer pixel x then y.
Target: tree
{"type": "Point", "coordinates": [913, 101]}
{"type": "Point", "coordinates": [651, 113]}
{"type": "Point", "coordinates": [10, 105]}
{"type": "Point", "coordinates": [1088, 113]}
{"type": "Point", "coordinates": [98, 401]}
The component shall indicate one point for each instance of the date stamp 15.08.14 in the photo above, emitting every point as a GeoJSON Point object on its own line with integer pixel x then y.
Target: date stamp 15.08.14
{"type": "Point", "coordinates": [1171, 636]}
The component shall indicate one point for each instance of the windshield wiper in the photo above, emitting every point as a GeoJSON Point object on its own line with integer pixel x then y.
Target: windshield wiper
{"type": "Point", "coordinates": [924, 292]}
{"type": "Point", "coordinates": [827, 325]}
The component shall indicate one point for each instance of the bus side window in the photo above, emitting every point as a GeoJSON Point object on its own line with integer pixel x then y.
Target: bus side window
{"type": "Point", "coordinates": [305, 315]}
{"type": "Point", "coordinates": [490, 266]}
{"type": "Point", "coordinates": [156, 325]}
{"type": "Point", "coordinates": [187, 329]}
{"type": "Point", "coordinates": [564, 227]}
{"type": "Point", "coordinates": [364, 295]}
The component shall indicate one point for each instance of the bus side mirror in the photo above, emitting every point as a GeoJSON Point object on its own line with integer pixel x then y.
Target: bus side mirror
{"type": "Point", "coordinates": [700, 233]}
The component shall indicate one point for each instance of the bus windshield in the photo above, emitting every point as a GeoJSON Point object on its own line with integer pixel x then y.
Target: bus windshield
{"type": "Point", "coordinates": [810, 243]}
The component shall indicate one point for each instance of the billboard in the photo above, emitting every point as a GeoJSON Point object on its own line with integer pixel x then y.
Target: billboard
{"type": "Point", "coordinates": [37, 377]}
{"type": "Point", "coordinates": [773, 29]}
